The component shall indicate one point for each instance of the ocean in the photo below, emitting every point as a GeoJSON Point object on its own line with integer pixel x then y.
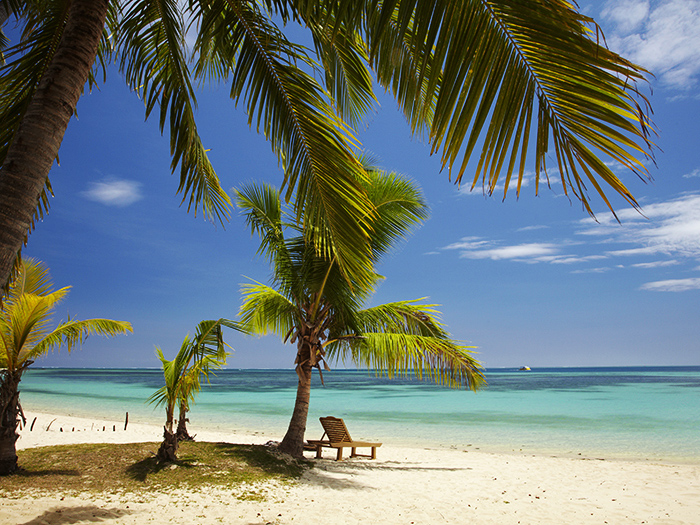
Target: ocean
{"type": "Point", "coordinates": [632, 413]}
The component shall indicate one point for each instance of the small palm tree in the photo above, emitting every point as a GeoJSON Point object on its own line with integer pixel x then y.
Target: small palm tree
{"type": "Point", "coordinates": [25, 334]}
{"type": "Point", "coordinates": [313, 305]}
{"type": "Point", "coordinates": [196, 359]}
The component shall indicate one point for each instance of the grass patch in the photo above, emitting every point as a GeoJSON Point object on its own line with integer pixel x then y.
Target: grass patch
{"type": "Point", "coordinates": [133, 467]}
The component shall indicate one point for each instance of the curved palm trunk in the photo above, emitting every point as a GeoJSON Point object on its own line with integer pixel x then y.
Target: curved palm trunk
{"type": "Point", "coordinates": [35, 146]}
{"type": "Point", "coordinates": [168, 448]}
{"type": "Point", "coordinates": [293, 442]}
{"type": "Point", "coordinates": [9, 414]}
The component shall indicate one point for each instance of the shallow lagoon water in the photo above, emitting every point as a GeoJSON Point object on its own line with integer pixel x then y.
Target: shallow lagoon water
{"type": "Point", "coordinates": [638, 412]}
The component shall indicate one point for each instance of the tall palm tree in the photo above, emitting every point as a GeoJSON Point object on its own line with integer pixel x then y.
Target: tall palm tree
{"type": "Point", "coordinates": [183, 375]}
{"type": "Point", "coordinates": [521, 75]}
{"type": "Point", "coordinates": [25, 335]}
{"type": "Point", "coordinates": [311, 304]}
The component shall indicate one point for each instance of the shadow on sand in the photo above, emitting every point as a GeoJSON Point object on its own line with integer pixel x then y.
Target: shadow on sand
{"type": "Point", "coordinates": [84, 514]}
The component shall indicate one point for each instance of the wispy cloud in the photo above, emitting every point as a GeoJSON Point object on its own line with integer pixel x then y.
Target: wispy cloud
{"type": "Point", "coordinates": [673, 285]}
{"type": "Point", "coordinates": [667, 235]}
{"type": "Point", "coordinates": [694, 173]}
{"type": "Point", "coordinates": [656, 264]}
{"type": "Point", "coordinates": [672, 229]}
{"type": "Point", "coordinates": [114, 192]}
{"type": "Point", "coordinates": [662, 36]}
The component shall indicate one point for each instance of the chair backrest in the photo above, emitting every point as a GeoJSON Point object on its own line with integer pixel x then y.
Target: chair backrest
{"type": "Point", "coordinates": [335, 429]}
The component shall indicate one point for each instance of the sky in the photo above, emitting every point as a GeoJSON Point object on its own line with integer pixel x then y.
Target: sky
{"type": "Point", "coordinates": [530, 281]}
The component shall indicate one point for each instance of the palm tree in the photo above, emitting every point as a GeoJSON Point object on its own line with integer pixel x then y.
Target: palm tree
{"type": "Point", "coordinates": [312, 305]}
{"type": "Point", "coordinates": [25, 335]}
{"type": "Point", "coordinates": [520, 75]}
{"type": "Point", "coordinates": [196, 359]}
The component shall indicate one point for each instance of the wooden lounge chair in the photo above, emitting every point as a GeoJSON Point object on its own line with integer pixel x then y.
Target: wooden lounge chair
{"type": "Point", "coordinates": [339, 437]}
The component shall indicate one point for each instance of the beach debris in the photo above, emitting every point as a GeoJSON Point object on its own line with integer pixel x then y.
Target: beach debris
{"type": "Point", "coordinates": [49, 425]}
{"type": "Point", "coordinates": [126, 421]}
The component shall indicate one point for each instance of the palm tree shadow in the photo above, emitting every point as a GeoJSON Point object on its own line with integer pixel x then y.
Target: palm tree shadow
{"type": "Point", "coordinates": [140, 470]}
{"type": "Point", "coordinates": [263, 457]}
{"type": "Point", "coordinates": [84, 514]}
{"type": "Point", "coordinates": [22, 473]}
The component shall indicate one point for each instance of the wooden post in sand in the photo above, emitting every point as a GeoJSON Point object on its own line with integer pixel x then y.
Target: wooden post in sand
{"type": "Point", "coordinates": [126, 421]}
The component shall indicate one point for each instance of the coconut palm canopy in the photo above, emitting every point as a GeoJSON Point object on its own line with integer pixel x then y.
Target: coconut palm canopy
{"type": "Point", "coordinates": [312, 305]}
{"type": "Point", "coordinates": [26, 331]}
{"type": "Point", "coordinates": [496, 77]}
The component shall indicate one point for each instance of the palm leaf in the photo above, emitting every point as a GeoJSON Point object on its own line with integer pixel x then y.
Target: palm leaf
{"type": "Point", "coordinates": [505, 65]}
{"type": "Point", "coordinates": [293, 111]}
{"type": "Point", "coordinates": [151, 47]}
{"type": "Point", "coordinates": [264, 310]}
{"type": "Point", "coordinates": [72, 333]}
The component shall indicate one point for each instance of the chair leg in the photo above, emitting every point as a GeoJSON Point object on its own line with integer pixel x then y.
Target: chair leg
{"type": "Point", "coordinates": [318, 451]}
{"type": "Point", "coordinates": [352, 453]}
{"type": "Point", "coordinates": [340, 454]}
{"type": "Point", "coordinates": [374, 452]}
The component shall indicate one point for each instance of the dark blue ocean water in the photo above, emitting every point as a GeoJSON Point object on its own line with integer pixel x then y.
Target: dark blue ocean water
{"type": "Point", "coordinates": [637, 412]}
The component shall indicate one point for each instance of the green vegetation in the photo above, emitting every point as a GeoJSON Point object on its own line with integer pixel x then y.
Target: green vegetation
{"type": "Point", "coordinates": [25, 334]}
{"type": "Point", "coordinates": [491, 80]}
{"type": "Point", "coordinates": [313, 305]}
{"type": "Point", "coordinates": [134, 467]}
{"type": "Point", "coordinates": [183, 379]}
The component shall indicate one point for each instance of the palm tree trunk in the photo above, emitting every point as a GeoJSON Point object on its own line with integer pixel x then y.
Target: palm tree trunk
{"type": "Point", "coordinates": [293, 442]}
{"type": "Point", "coordinates": [9, 412]}
{"type": "Point", "coordinates": [35, 146]}
{"type": "Point", "coordinates": [168, 448]}
{"type": "Point", "coordinates": [182, 434]}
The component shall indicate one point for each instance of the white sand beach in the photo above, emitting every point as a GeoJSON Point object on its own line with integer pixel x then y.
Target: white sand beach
{"type": "Point", "coordinates": [402, 486]}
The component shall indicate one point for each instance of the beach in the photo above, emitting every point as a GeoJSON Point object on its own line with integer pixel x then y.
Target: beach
{"type": "Point", "coordinates": [410, 485]}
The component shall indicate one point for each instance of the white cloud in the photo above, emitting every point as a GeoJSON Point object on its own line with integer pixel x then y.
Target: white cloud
{"type": "Point", "coordinates": [673, 285]}
{"type": "Point", "coordinates": [114, 192]}
{"type": "Point", "coordinates": [593, 270]}
{"type": "Point", "coordinates": [475, 248]}
{"type": "Point", "coordinates": [656, 264]}
{"type": "Point", "coordinates": [627, 14]}
{"type": "Point", "coordinates": [661, 36]}
{"type": "Point", "coordinates": [672, 229]}
{"type": "Point", "coordinates": [694, 173]}
{"type": "Point", "coordinates": [532, 228]}
{"type": "Point", "coordinates": [667, 235]}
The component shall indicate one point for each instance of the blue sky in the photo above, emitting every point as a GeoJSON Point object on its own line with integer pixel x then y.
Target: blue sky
{"type": "Point", "coordinates": [529, 281]}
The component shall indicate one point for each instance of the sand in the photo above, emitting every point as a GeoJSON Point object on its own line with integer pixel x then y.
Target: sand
{"type": "Point", "coordinates": [402, 486]}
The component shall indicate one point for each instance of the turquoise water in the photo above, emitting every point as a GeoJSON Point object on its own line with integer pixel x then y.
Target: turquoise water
{"type": "Point", "coordinates": [641, 412]}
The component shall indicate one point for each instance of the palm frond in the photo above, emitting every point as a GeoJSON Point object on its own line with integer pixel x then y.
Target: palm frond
{"type": "Point", "coordinates": [400, 206]}
{"type": "Point", "coordinates": [262, 208]}
{"type": "Point", "coordinates": [292, 110]}
{"type": "Point", "coordinates": [505, 65]}
{"type": "Point", "coordinates": [151, 47]}
{"type": "Point", "coordinates": [72, 333]}
{"type": "Point", "coordinates": [343, 55]}
{"type": "Point", "coordinates": [438, 360]}
{"type": "Point", "coordinates": [265, 310]}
